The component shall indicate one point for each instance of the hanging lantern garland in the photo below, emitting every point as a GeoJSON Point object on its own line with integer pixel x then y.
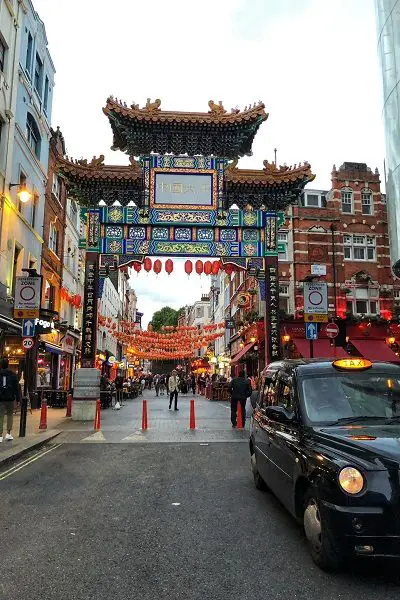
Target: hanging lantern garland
{"type": "Point", "coordinates": [157, 266]}
{"type": "Point", "coordinates": [169, 344]}
{"type": "Point", "coordinates": [169, 266]}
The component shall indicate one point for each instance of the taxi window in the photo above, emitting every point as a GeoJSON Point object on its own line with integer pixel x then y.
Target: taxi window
{"type": "Point", "coordinates": [344, 395]}
{"type": "Point", "coordinates": [267, 397]}
{"type": "Point", "coordinates": [284, 395]}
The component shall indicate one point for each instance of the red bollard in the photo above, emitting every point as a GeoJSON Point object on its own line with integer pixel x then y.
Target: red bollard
{"type": "Point", "coordinates": [192, 422]}
{"type": "Point", "coordinates": [43, 415]}
{"type": "Point", "coordinates": [144, 415]}
{"type": "Point", "coordinates": [239, 416]}
{"type": "Point", "coordinates": [69, 405]}
{"type": "Point", "coordinates": [97, 419]}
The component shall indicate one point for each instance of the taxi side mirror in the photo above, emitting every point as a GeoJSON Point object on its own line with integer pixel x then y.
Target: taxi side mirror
{"type": "Point", "coordinates": [280, 414]}
{"type": "Point", "coordinates": [254, 398]}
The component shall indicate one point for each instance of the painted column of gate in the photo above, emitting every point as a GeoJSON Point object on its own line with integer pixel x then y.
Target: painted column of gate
{"type": "Point", "coordinates": [271, 317]}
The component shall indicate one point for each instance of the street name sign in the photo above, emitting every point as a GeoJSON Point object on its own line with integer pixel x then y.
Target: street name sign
{"type": "Point", "coordinates": [318, 270]}
{"type": "Point", "coordinates": [27, 297]}
{"type": "Point", "coordinates": [311, 331]}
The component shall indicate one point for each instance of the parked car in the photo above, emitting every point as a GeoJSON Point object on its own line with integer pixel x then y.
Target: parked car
{"type": "Point", "coordinates": [325, 440]}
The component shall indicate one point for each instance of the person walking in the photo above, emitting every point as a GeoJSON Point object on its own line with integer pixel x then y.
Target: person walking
{"type": "Point", "coordinates": [10, 392]}
{"type": "Point", "coordinates": [240, 390]}
{"type": "Point", "coordinates": [156, 381]}
{"type": "Point", "coordinates": [193, 381]}
{"type": "Point", "coordinates": [173, 388]}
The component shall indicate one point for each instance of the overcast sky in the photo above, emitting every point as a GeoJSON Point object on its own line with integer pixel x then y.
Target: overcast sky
{"type": "Point", "coordinates": [312, 62]}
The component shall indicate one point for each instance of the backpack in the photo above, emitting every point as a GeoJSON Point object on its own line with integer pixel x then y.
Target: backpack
{"type": "Point", "coordinates": [6, 385]}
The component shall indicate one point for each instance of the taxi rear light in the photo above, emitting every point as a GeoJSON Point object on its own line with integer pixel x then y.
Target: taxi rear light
{"type": "Point", "coordinates": [352, 364]}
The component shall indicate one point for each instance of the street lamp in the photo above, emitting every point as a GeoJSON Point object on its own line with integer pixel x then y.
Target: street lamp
{"type": "Point", "coordinates": [23, 193]}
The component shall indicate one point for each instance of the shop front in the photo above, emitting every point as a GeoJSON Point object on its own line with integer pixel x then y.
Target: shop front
{"type": "Point", "coordinates": [245, 352]}
{"type": "Point", "coordinates": [70, 343]}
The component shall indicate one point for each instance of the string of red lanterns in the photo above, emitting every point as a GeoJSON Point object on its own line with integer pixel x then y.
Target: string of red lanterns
{"type": "Point", "coordinates": [206, 268]}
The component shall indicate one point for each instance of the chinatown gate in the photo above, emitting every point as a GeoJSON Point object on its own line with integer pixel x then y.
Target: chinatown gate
{"type": "Point", "coordinates": [174, 199]}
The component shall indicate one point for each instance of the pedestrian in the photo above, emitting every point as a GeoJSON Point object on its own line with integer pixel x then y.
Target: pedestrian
{"type": "Point", "coordinates": [119, 386]}
{"type": "Point", "coordinates": [157, 384]}
{"type": "Point", "coordinates": [240, 390]}
{"type": "Point", "coordinates": [193, 380]}
{"type": "Point", "coordinates": [10, 392]}
{"type": "Point", "coordinates": [173, 388]}
{"type": "Point", "coordinates": [162, 385]}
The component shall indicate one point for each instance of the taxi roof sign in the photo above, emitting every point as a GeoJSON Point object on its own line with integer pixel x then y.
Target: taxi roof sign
{"type": "Point", "coordinates": [352, 364]}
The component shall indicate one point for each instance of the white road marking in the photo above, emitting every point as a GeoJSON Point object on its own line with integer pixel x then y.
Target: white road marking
{"type": "Point", "coordinates": [95, 437]}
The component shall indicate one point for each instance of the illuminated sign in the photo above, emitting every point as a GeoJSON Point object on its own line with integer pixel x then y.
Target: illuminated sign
{"type": "Point", "coordinates": [352, 364]}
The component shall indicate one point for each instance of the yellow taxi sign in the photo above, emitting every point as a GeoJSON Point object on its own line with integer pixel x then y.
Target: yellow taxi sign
{"type": "Point", "coordinates": [352, 364]}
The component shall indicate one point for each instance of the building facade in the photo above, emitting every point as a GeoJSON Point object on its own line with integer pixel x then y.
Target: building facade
{"type": "Point", "coordinates": [388, 26]}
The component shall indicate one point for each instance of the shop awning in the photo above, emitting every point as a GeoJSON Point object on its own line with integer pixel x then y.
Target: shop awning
{"type": "Point", "coordinates": [5, 322]}
{"type": "Point", "coordinates": [375, 350]}
{"type": "Point", "coordinates": [322, 349]}
{"type": "Point", "coordinates": [53, 348]}
{"type": "Point", "coordinates": [241, 353]}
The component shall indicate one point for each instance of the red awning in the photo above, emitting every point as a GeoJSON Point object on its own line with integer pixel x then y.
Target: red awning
{"type": "Point", "coordinates": [322, 349]}
{"type": "Point", "coordinates": [375, 350]}
{"type": "Point", "coordinates": [241, 353]}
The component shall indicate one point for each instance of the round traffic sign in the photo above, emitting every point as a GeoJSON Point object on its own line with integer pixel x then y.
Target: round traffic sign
{"type": "Point", "coordinates": [27, 343]}
{"type": "Point", "coordinates": [332, 330]}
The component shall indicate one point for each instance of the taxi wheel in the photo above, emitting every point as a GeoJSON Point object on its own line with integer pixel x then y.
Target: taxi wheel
{"type": "Point", "coordinates": [324, 548]}
{"type": "Point", "coordinates": [258, 480]}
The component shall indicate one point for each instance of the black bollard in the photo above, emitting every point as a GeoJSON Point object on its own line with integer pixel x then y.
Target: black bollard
{"type": "Point", "coordinates": [24, 413]}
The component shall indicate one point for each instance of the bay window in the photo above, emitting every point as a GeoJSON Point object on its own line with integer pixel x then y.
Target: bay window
{"type": "Point", "coordinates": [359, 247]}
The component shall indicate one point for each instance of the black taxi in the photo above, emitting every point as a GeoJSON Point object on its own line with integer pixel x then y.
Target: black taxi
{"type": "Point", "coordinates": [325, 439]}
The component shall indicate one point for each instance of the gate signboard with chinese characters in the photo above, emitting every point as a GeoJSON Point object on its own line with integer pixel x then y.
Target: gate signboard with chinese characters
{"type": "Point", "coordinates": [184, 196]}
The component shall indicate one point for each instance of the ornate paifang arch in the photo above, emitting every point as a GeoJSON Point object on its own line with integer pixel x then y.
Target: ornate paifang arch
{"type": "Point", "coordinates": [178, 198]}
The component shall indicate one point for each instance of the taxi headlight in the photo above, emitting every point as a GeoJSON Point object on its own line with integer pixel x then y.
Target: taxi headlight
{"type": "Point", "coordinates": [351, 480]}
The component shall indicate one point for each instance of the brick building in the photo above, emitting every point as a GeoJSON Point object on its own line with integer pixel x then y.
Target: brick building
{"type": "Point", "coordinates": [346, 230]}
{"type": "Point", "coordinates": [53, 228]}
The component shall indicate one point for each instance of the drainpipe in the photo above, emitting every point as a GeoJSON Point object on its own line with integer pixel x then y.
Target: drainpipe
{"type": "Point", "coordinates": [333, 229]}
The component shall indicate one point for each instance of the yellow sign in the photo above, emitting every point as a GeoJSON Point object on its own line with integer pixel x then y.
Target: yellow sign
{"type": "Point", "coordinates": [352, 364]}
{"type": "Point", "coordinates": [26, 313]}
{"type": "Point", "coordinates": [308, 318]}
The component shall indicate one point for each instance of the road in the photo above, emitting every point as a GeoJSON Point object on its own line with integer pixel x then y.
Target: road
{"type": "Point", "coordinates": [159, 520]}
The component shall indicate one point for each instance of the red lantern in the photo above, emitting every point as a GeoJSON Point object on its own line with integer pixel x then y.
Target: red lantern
{"type": "Point", "coordinates": [199, 267]}
{"type": "Point", "coordinates": [78, 300]}
{"type": "Point", "coordinates": [215, 267]}
{"type": "Point", "coordinates": [208, 267]}
{"type": "Point", "coordinates": [229, 269]}
{"type": "Point", "coordinates": [147, 264]}
{"type": "Point", "coordinates": [137, 267]}
{"type": "Point", "coordinates": [188, 267]}
{"type": "Point", "coordinates": [169, 266]}
{"type": "Point", "coordinates": [157, 266]}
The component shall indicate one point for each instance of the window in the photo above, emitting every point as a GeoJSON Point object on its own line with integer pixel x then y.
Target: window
{"type": "Point", "coordinates": [284, 396]}
{"type": "Point", "coordinates": [396, 294]}
{"type": "Point", "coordinates": [53, 238]}
{"type": "Point", "coordinates": [48, 296]}
{"type": "Point", "coordinates": [359, 247]}
{"type": "Point", "coordinates": [73, 212]}
{"type": "Point", "coordinates": [2, 55]}
{"type": "Point", "coordinates": [199, 312]}
{"type": "Point", "coordinates": [33, 135]}
{"type": "Point", "coordinates": [366, 202]}
{"type": "Point", "coordinates": [16, 264]}
{"type": "Point", "coordinates": [29, 51]}
{"type": "Point", "coordinates": [363, 302]}
{"type": "Point", "coordinates": [284, 297]}
{"type": "Point", "coordinates": [282, 245]}
{"type": "Point", "coordinates": [35, 202]}
{"type": "Point", "coordinates": [347, 201]}
{"type": "Point", "coordinates": [46, 94]}
{"type": "Point", "coordinates": [314, 200]}
{"type": "Point", "coordinates": [38, 79]}
{"type": "Point", "coordinates": [22, 183]}
{"type": "Point", "coordinates": [56, 186]}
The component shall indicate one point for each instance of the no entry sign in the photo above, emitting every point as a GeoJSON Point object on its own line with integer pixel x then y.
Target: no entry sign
{"type": "Point", "coordinates": [332, 330]}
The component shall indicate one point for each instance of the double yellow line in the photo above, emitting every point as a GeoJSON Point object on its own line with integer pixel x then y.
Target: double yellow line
{"type": "Point", "coordinates": [27, 462]}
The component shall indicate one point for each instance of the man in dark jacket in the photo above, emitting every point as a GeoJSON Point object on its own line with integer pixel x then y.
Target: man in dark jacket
{"type": "Point", "coordinates": [240, 390]}
{"type": "Point", "coordinates": [9, 392]}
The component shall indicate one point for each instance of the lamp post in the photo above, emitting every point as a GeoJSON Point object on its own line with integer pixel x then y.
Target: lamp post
{"type": "Point", "coordinates": [23, 193]}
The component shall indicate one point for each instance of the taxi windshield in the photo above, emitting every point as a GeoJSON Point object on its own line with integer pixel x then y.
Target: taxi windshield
{"type": "Point", "coordinates": [336, 397]}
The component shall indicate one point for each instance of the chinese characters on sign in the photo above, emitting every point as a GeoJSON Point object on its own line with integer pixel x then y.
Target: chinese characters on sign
{"type": "Point", "coordinates": [270, 232]}
{"type": "Point", "coordinates": [93, 233]}
{"type": "Point", "coordinates": [183, 188]}
{"type": "Point", "coordinates": [272, 299]}
{"type": "Point", "coordinates": [89, 326]}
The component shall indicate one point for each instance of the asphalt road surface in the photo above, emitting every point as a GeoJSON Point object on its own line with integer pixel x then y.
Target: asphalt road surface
{"type": "Point", "coordinates": [158, 521]}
